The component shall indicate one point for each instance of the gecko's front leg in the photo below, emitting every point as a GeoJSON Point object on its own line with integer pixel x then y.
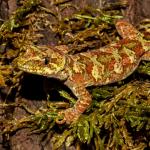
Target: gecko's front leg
{"type": "Point", "coordinates": [83, 102]}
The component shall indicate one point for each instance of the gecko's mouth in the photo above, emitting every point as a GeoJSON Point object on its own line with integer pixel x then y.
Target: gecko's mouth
{"type": "Point", "coordinates": [28, 68]}
{"type": "Point", "coordinates": [40, 68]}
{"type": "Point", "coordinates": [35, 70]}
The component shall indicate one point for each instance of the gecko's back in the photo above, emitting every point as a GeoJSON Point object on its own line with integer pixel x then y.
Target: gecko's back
{"type": "Point", "coordinates": [106, 65]}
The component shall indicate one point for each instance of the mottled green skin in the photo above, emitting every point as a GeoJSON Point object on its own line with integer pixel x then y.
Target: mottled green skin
{"type": "Point", "coordinates": [96, 67]}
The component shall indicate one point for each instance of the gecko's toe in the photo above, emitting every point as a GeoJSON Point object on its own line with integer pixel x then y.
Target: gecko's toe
{"type": "Point", "coordinates": [61, 119]}
{"type": "Point", "coordinates": [70, 115]}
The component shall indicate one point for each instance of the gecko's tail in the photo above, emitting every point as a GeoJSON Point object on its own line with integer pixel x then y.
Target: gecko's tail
{"type": "Point", "coordinates": [127, 30]}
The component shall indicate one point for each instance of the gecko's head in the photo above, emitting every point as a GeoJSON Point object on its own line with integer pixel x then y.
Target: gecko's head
{"type": "Point", "coordinates": [42, 60]}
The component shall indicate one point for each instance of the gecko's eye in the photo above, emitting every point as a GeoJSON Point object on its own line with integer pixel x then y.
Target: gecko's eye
{"type": "Point", "coordinates": [46, 60]}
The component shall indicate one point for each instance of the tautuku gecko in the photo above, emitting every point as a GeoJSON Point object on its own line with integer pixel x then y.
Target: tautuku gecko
{"type": "Point", "coordinates": [102, 66]}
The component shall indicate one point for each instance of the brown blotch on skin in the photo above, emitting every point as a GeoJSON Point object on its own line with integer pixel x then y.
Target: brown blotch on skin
{"type": "Point", "coordinates": [126, 60]}
{"type": "Point", "coordinates": [139, 50]}
{"type": "Point", "coordinates": [111, 65]}
{"type": "Point", "coordinates": [78, 78]}
{"type": "Point", "coordinates": [89, 68]}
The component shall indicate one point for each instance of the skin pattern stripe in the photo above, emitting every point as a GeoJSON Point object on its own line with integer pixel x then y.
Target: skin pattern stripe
{"type": "Point", "coordinates": [101, 66]}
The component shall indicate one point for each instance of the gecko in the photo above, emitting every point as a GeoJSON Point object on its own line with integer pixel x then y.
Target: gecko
{"type": "Point", "coordinates": [111, 63]}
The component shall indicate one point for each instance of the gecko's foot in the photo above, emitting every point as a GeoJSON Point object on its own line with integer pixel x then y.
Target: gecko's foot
{"type": "Point", "coordinates": [70, 115]}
